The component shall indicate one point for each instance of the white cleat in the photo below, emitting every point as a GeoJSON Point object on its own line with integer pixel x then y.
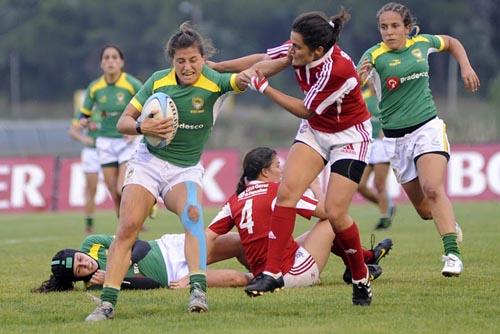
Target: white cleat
{"type": "Point", "coordinates": [104, 311]}
{"type": "Point", "coordinates": [453, 266]}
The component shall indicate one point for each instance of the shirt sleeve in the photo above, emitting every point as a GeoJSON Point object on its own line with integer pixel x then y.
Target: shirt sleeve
{"type": "Point", "coordinates": [279, 51]}
{"type": "Point", "coordinates": [88, 103]}
{"type": "Point", "coordinates": [306, 206]}
{"type": "Point", "coordinates": [143, 94]}
{"type": "Point", "coordinates": [223, 222]}
{"type": "Point", "coordinates": [95, 242]}
{"type": "Point", "coordinates": [436, 43]}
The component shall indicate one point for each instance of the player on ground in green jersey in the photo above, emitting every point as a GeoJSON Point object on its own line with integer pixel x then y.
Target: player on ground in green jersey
{"type": "Point", "coordinates": [173, 172]}
{"type": "Point", "coordinates": [415, 138]}
{"type": "Point", "coordinates": [109, 95]}
{"type": "Point", "coordinates": [153, 264]}
{"type": "Point", "coordinates": [378, 164]}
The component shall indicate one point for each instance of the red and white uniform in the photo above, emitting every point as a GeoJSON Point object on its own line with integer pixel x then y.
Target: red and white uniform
{"type": "Point", "coordinates": [340, 127]}
{"type": "Point", "coordinates": [332, 89]}
{"type": "Point", "coordinates": [251, 212]}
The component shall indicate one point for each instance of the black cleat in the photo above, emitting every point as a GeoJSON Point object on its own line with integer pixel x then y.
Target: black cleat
{"type": "Point", "coordinates": [386, 222]}
{"type": "Point", "coordinates": [361, 294]}
{"type": "Point", "coordinates": [264, 284]}
{"type": "Point", "coordinates": [374, 271]}
{"type": "Point", "coordinates": [381, 250]}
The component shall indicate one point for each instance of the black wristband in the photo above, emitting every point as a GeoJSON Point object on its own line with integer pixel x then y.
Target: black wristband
{"type": "Point", "coordinates": [138, 127]}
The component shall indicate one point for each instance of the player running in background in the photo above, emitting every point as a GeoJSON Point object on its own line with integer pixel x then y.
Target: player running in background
{"type": "Point", "coordinates": [415, 138]}
{"type": "Point", "coordinates": [378, 164]}
{"type": "Point", "coordinates": [250, 210]}
{"type": "Point", "coordinates": [90, 165]}
{"type": "Point", "coordinates": [108, 95]}
{"type": "Point", "coordinates": [173, 172]}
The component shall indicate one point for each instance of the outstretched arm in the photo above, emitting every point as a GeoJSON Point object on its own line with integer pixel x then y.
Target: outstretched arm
{"type": "Point", "coordinates": [457, 50]}
{"type": "Point", "coordinates": [238, 64]}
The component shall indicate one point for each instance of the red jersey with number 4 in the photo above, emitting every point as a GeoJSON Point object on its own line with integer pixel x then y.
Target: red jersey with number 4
{"type": "Point", "coordinates": [250, 212]}
{"type": "Point", "coordinates": [332, 89]}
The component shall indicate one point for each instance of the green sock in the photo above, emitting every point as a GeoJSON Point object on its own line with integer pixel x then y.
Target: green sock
{"type": "Point", "coordinates": [198, 280]}
{"type": "Point", "coordinates": [89, 221]}
{"type": "Point", "coordinates": [109, 294]}
{"type": "Point", "coordinates": [450, 244]}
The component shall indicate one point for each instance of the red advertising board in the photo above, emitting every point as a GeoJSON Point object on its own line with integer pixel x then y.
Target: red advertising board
{"type": "Point", "coordinates": [42, 184]}
{"type": "Point", "coordinates": [26, 184]}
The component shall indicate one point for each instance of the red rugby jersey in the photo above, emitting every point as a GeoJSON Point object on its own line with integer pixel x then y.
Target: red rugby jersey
{"type": "Point", "coordinates": [332, 89]}
{"type": "Point", "coordinates": [250, 212]}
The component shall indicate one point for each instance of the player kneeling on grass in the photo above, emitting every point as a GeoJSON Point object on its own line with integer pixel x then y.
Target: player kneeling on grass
{"type": "Point", "coordinates": [250, 210]}
{"type": "Point", "coordinates": [153, 264]}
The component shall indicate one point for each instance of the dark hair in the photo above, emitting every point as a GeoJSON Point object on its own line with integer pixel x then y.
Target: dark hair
{"type": "Point", "coordinates": [253, 163]}
{"type": "Point", "coordinates": [406, 15]}
{"type": "Point", "coordinates": [111, 46]}
{"type": "Point", "coordinates": [62, 277]}
{"type": "Point", "coordinates": [319, 30]}
{"type": "Point", "coordinates": [185, 38]}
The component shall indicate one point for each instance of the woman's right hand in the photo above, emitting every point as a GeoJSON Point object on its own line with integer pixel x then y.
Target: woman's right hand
{"type": "Point", "coordinates": [84, 122]}
{"type": "Point", "coordinates": [364, 71]}
{"type": "Point", "coordinates": [157, 127]}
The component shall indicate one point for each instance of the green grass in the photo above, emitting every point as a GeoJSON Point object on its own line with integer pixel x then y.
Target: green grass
{"type": "Point", "coordinates": [410, 297]}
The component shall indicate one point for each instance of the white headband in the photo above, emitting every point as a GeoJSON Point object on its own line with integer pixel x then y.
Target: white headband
{"type": "Point", "coordinates": [331, 24]}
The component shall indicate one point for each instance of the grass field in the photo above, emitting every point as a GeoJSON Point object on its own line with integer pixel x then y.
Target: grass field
{"type": "Point", "coordinates": [410, 297]}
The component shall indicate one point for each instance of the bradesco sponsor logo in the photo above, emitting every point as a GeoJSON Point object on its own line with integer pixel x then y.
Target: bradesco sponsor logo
{"type": "Point", "coordinates": [394, 82]}
{"type": "Point", "coordinates": [191, 126]}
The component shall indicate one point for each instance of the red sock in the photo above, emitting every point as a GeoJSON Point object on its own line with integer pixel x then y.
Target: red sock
{"type": "Point", "coordinates": [338, 249]}
{"type": "Point", "coordinates": [352, 245]}
{"type": "Point", "coordinates": [368, 255]}
{"type": "Point", "coordinates": [282, 224]}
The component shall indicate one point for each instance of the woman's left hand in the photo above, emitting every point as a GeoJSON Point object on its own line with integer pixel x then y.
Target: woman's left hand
{"type": "Point", "coordinates": [470, 78]}
{"type": "Point", "coordinates": [98, 277]}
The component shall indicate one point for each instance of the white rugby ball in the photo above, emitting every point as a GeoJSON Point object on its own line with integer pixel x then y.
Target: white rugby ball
{"type": "Point", "coordinates": [167, 108]}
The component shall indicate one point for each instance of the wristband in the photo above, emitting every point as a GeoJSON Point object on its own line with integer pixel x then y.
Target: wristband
{"type": "Point", "coordinates": [138, 127]}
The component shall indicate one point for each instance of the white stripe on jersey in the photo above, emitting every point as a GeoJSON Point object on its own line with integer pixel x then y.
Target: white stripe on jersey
{"type": "Point", "coordinates": [337, 95]}
{"type": "Point", "coordinates": [223, 213]}
{"type": "Point", "coordinates": [278, 51]}
{"type": "Point", "coordinates": [304, 204]}
{"type": "Point", "coordinates": [320, 84]}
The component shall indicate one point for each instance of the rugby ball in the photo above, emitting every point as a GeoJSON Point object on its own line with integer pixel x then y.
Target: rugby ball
{"type": "Point", "coordinates": [167, 108]}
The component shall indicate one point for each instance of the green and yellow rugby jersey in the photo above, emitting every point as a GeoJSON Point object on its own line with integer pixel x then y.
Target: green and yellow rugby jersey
{"type": "Point", "coordinates": [371, 101]}
{"type": "Point", "coordinates": [195, 106]}
{"type": "Point", "coordinates": [404, 77]}
{"type": "Point", "coordinates": [151, 266]}
{"type": "Point", "coordinates": [110, 101]}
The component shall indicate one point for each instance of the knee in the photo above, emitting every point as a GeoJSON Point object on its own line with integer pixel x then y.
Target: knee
{"type": "Point", "coordinates": [193, 213]}
{"type": "Point", "coordinates": [380, 186]}
{"type": "Point", "coordinates": [336, 213]}
{"type": "Point", "coordinates": [432, 191]}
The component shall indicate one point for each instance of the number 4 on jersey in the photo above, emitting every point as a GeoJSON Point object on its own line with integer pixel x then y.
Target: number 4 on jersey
{"type": "Point", "coordinates": [246, 216]}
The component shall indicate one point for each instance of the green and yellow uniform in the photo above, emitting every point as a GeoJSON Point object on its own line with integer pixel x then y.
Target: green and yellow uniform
{"type": "Point", "coordinates": [152, 265]}
{"type": "Point", "coordinates": [109, 100]}
{"type": "Point", "coordinates": [404, 76]}
{"type": "Point", "coordinates": [196, 111]}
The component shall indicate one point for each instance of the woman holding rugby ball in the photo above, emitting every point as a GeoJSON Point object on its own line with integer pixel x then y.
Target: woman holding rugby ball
{"type": "Point", "coordinates": [173, 172]}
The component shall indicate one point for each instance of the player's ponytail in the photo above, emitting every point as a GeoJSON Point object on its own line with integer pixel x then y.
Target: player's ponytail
{"type": "Point", "coordinates": [319, 30]}
{"type": "Point", "coordinates": [253, 163]}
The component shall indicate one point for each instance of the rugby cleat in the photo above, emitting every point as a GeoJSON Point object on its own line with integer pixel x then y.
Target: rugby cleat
{"type": "Point", "coordinates": [362, 293]}
{"type": "Point", "coordinates": [374, 270]}
{"type": "Point", "coordinates": [264, 284]}
{"type": "Point", "coordinates": [104, 311]}
{"type": "Point", "coordinates": [198, 301]}
{"type": "Point", "coordinates": [453, 266]}
{"type": "Point", "coordinates": [381, 250]}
